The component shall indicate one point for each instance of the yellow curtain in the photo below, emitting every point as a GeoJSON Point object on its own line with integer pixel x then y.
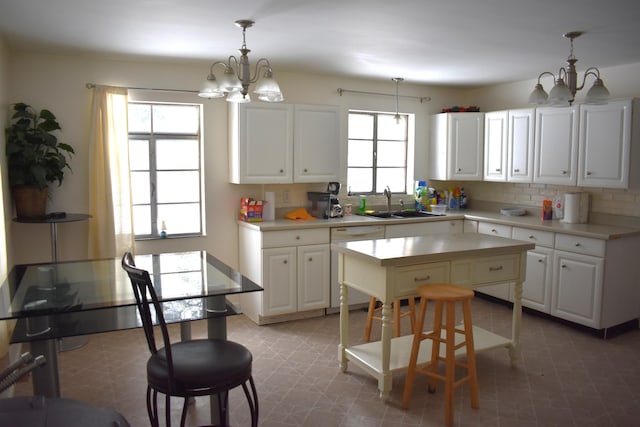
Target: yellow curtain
{"type": "Point", "coordinates": [111, 226]}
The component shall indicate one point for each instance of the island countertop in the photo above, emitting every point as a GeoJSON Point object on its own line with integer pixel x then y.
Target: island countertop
{"type": "Point", "coordinates": [433, 248]}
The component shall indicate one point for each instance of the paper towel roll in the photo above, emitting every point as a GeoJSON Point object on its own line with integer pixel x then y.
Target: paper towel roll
{"type": "Point", "coordinates": [269, 210]}
{"type": "Point", "coordinates": [571, 208]}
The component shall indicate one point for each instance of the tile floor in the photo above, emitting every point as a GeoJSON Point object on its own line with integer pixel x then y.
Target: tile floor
{"type": "Point", "coordinates": [564, 377]}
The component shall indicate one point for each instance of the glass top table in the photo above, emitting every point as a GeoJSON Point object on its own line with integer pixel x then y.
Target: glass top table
{"type": "Point", "coordinates": [63, 299]}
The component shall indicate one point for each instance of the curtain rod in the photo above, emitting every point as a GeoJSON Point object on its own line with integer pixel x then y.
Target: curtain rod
{"type": "Point", "coordinates": [93, 85]}
{"type": "Point", "coordinates": [421, 98]}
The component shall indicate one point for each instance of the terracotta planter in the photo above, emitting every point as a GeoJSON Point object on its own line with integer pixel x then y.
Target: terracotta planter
{"type": "Point", "coordinates": [31, 202]}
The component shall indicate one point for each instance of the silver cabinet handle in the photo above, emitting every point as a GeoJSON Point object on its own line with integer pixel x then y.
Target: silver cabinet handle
{"type": "Point", "coordinates": [305, 170]}
{"type": "Point", "coordinates": [281, 170]}
{"type": "Point", "coordinates": [540, 260]}
{"type": "Point", "coordinates": [310, 259]}
{"type": "Point", "coordinates": [564, 172]}
{"type": "Point", "coordinates": [588, 173]}
{"type": "Point", "coordinates": [422, 279]}
{"type": "Point", "coordinates": [577, 244]}
{"type": "Point", "coordinates": [285, 262]}
{"type": "Point", "coordinates": [297, 237]}
{"type": "Point", "coordinates": [498, 268]}
{"type": "Point", "coordinates": [532, 237]}
{"type": "Point", "coordinates": [516, 170]}
{"type": "Point", "coordinates": [459, 169]}
{"type": "Point", "coordinates": [498, 170]}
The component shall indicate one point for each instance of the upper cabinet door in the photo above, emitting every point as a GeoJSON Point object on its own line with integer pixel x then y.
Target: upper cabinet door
{"type": "Point", "coordinates": [520, 145]}
{"type": "Point", "coordinates": [261, 143]}
{"type": "Point", "coordinates": [316, 143]}
{"type": "Point", "coordinates": [556, 145]}
{"type": "Point", "coordinates": [605, 144]}
{"type": "Point", "coordinates": [495, 146]}
{"type": "Point", "coordinates": [456, 146]}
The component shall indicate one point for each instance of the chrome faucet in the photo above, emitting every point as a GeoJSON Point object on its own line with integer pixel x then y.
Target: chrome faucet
{"type": "Point", "coordinates": [387, 194]}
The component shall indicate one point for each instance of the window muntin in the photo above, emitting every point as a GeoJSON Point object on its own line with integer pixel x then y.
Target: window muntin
{"type": "Point", "coordinates": [165, 166]}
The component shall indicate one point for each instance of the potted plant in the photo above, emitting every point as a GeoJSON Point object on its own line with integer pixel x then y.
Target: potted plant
{"type": "Point", "coordinates": [35, 158]}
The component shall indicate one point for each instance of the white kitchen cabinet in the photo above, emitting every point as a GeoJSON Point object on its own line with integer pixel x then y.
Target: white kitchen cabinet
{"type": "Point", "coordinates": [495, 146]}
{"type": "Point", "coordinates": [422, 228]}
{"type": "Point", "coordinates": [605, 157]}
{"type": "Point", "coordinates": [536, 290]}
{"type": "Point", "coordinates": [283, 143]}
{"type": "Point", "coordinates": [520, 143]}
{"type": "Point", "coordinates": [260, 143]}
{"type": "Point", "coordinates": [316, 143]}
{"type": "Point", "coordinates": [556, 145]}
{"type": "Point", "coordinates": [578, 290]}
{"type": "Point", "coordinates": [293, 268]}
{"type": "Point", "coordinates": [456, 146]}
{"type": "Point", "coordinates": [314, 269]}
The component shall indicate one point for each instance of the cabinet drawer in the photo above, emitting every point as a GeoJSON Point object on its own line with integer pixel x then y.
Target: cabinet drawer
{"type": "Point", "coordinates": [279, 239]}
{"type": "Point", "coordinates": [540, 238]}
{"type": "Point", "coordinates": [581, 245]}
{"type": "Point", "coordinates": [411, 277]}
{"type": "Point", "coordinates": [495, 269]}
{"type": "Point", "coordinates": [494, 229]}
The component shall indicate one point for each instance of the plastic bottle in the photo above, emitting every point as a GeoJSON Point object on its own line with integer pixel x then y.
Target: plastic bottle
{"type": "Point", "coordinates": [363, 204]}
{"type": "Point", "coordinates": [421, 195]}
{"type": "Point", "coordinates": [163, 230]}
{"type": "Point", "coordinates": [463, 199]}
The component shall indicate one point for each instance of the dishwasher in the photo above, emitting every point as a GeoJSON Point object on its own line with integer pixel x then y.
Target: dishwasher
{"type": "Point", "coordinates": [350, 234]}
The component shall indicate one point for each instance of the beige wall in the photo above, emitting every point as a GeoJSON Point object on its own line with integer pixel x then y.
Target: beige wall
{"type": "Point", "coordinates": [58, 83]}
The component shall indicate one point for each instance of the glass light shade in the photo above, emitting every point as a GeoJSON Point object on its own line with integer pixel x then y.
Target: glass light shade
{"type": "Point", "coordinates": [238, 98]}
{"type": "Point", "coordinates": [560, 95]}
{"type": "Point", "coordinates": [229, 82]}
{"type": "Point", "coordinates": [271, 98]}
{"type": "Point", "coordinates": [267, 85]}
{"type": "Point", "coordinates": [538, 96]}
{"type": "Point", "coordinates": [210, 88]}
{"type": "Point", "coordinates": [598, 94]}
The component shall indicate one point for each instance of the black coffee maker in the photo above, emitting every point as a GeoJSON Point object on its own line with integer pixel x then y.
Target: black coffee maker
{"type": "Point", "coordinates": [335, 210]}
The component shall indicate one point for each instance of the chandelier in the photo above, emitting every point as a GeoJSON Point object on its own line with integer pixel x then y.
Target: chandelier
{"type": "Point", "coordinates": [562, 93]}
{"type": "Point", "coordinates": [234, 83]}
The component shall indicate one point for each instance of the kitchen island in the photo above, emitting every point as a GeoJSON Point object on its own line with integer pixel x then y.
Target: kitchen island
{"type": "Point", "coordinates": [392, 269]}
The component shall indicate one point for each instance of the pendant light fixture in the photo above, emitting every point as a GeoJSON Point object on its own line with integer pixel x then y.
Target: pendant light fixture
{"type": "Point", "coordinates": [397, 80]}
{"type": "Point", "coordinates": [563, 94]}
{"type": "Point", "coordinates": [235, 82]}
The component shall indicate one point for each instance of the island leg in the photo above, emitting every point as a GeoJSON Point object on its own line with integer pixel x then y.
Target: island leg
{"type": "Point", "coordinates": [515, 323]}
{"type": "Point", "coordinates": [344, 326]}
{"type": "Point", "coordinates": [384, 382]}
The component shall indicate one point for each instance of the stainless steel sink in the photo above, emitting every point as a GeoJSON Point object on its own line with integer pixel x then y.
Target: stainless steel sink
{"type": "Point", "coordinates": [401, 214]}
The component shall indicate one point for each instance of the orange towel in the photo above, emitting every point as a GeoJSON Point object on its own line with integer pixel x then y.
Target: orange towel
{"type": "Point", "coordinates": [299, 214]}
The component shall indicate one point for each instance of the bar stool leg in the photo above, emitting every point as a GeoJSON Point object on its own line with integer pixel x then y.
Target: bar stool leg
{"type": "Point", "coordinates": [396, 318]}
{"type": "Point", "coordinates": [369, 323]}
{"type": "Point", "coordinates": [450, 363]}
{"type": "Point", "coordinates": [471, 355]}
{"type": "Point", "coordinates": [418, 336]}
{"type": "Point", "coordinates": [435, 346]}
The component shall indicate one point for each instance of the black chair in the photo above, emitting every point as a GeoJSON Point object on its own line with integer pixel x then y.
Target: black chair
{"type": "Point", "coordinates": [202, 367]}
{"type": "Point", "coordinates": [40, 411]}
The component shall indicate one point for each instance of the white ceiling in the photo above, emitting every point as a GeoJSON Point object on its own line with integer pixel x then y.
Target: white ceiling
{"type": "Point", "coordinates": [446, 42]}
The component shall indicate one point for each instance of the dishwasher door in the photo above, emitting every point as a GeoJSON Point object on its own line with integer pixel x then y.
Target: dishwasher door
{"type": "Point", "coordinates": [349, 234]}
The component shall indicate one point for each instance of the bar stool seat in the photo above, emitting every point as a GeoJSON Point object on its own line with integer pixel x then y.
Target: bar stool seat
{"type": "Point", "coordinates": [398, 314]}
{"type": "Point", "coordinates": [445, 297]}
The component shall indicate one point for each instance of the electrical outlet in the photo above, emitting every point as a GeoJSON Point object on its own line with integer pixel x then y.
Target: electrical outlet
{"type": "Point", "coordinates": [285, 197]}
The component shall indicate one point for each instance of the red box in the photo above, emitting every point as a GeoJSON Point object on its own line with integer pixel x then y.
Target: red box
{"type": "Point", "coordinates": [251, 210]}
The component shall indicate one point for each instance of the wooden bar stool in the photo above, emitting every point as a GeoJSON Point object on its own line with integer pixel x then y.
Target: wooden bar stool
{"type": "Point", "coordinates": [445, 296]}
{"type": "Point", "coordinates": [397, 315]}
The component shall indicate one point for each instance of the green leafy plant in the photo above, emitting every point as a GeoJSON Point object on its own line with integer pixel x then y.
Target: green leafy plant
{"type": "Point", "coordinates": [34, 155]}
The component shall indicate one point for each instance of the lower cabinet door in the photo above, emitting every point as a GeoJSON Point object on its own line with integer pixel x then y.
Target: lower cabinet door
{"type": "Point", "coordinates": [536, 290]}
{"type": "Point", "coordinates": [279, 281]}
{"type": "Point", "coordinates": [577, 288]}
{"type": "Point", "coordinates": [313, 277]}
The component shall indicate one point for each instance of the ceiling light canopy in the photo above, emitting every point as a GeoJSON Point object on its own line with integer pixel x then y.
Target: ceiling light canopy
{"type": "Point", "coordinates": [234, 82]}
{"type": "Point", "coordinates": [563, 94]}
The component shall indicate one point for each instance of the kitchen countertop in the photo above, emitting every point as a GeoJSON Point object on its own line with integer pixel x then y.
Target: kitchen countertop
{"type": "Point", "coordinates": [427, 249]}
{"type": "Point", "coordinates": [597, 231]}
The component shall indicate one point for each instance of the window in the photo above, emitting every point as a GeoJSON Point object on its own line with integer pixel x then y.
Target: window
{"type": "Point", "coordinates": [165, 165]}
{"type": "Point", "coordinates": [378, 152]}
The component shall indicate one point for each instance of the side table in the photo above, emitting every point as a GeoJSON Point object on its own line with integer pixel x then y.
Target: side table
{"type": "Point", "coordinates": [70, 343]}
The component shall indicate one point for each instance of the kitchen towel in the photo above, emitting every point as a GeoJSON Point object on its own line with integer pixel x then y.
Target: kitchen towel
{"type": "Point", "coordinates": [572, 208]}
{"type": "Point", "coordinates": [269, 213]}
